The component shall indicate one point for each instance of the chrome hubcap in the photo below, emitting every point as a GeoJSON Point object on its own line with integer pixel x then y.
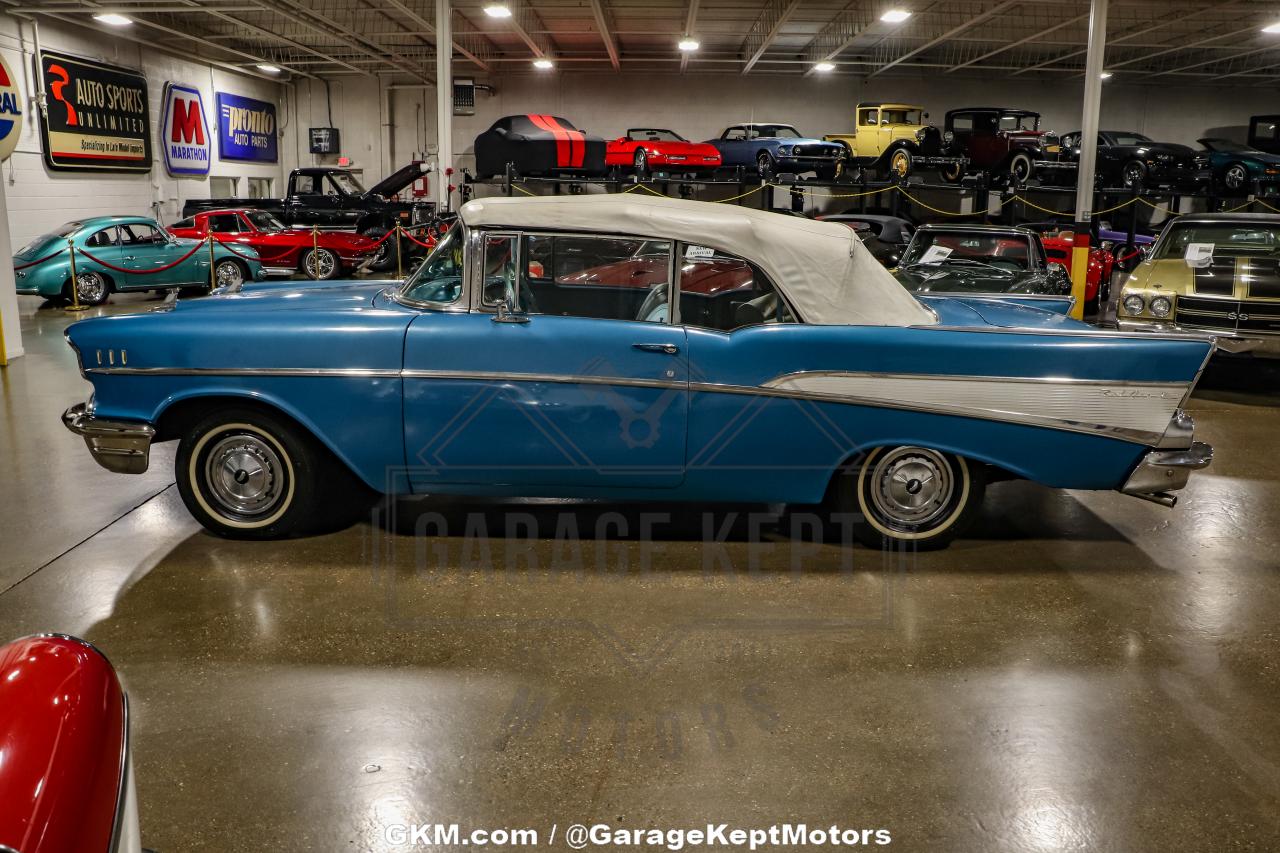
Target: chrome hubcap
{"type": "Point", "coordinates": [228, 274]}
{"type": "Point", "coordinates": [91, 286]}
{"type": "Point", "coordinates": [912, 486]}
{"type": "Point", "coordinates": [245, 475]}
{"type": "Point", "coordinates": [1235, 177]}
{"type": "Point", "coordinates": [320, 265]}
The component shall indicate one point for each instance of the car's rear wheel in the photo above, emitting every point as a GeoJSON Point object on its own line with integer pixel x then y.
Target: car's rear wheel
{"type": "Point", "coordinates": [1020, 168]}
{"type": "Point", "coordinates": [907, 496]}
{"type": "Point", "coordinates": [641, 163]}
{"type": "Point", "coordinates": [384, 257]}
{"type": "Point", "coordinates": [1235, 176]}
{"type": "Point", "coordinates": [92, 288]}
{"type": "Point", "coordinates": [246, 473]}
{"type": "Point", "coordinates": [1134, 174]}
{"type": "Point", "coordinates": [229, 273]}
{"type": "Point", "coordinates": [764, 165]}
{"type": "Point", "coordinates": [322, 264]}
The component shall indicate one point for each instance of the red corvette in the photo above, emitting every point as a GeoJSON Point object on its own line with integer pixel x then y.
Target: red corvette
{"type": "Point", "coordinates": [645, 149]}
{"type": "Point", "coordinates": [284, 251]}
{"type": "Point", "coordinates": [1058, 247]}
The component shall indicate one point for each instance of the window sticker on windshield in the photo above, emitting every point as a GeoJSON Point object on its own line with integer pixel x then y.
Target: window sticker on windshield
{"type": "Point", "coordinates": [1199, 254]}
{"type": "Point", "coordinates": [935, 255]}
{"type": "Point", "coordinates": [699, 252]}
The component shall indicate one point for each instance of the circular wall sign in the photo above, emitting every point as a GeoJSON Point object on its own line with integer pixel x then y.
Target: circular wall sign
{"type": "Point", "coordinates": [10, 111]}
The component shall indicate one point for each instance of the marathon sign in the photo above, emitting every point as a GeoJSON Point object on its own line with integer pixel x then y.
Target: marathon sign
{"type": "Point", "coordinates": [184, 134]}
{"type": "Point", "coordinates": [246, 129]}
{"type": "Point", "coordinates": [97, 119]}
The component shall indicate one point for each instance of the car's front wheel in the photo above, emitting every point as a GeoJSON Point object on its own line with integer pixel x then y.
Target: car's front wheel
{"type": "Point", "coordinates": [641, 163]}
{"type": "Point", "coordinates": [764, 165]}
{"type": "Point", "coordinates": [1134, 174]}
{"type": "Point", "coordinates": [321, 264]}
{"type": "Point", "coordinates": [246, 473]}
{"type": "Point", "coordinates": [229, 273]}
{"type": "Point", "coordinates": [908, 496]}
{"type": "Point", "coordinates": [1235, 176]}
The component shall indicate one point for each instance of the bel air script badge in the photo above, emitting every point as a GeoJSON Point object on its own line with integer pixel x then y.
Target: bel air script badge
{"type": "Point", "coordinates": [1135, 394]}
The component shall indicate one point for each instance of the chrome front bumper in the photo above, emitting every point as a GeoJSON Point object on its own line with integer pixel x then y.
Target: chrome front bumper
{"type": "Point", "coordinates": [1163, 471]}
{"type": "Point", "coordinates": [1266, 346]}
{"type": "Point", "coordinates": [120, 446]}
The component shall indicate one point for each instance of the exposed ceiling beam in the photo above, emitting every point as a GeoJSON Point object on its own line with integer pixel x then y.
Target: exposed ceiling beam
{"type": "Point", "coordinates": [526, 24]}
{"type": "Point", "coordinates": [1033, 37]}
{"type": "Point", "coordinates": [605, 26]}
{"type": "Point", "coordinates": [766, 29]}
{"type": "Point", "coordinates": [1213, 61]}
{"type": "Point", "coordinates": [836, 36]}
{"type": "Point", "coordinates": [954, 31]}
{"type": "Point", "coordinates": [312, 20]}
{"type": "Point", "coordinates": [219, 13]}
{"type": "Point", "coordinates": [1148, 56]}
{"type": "Point", "coordinates": [690, 24]}
{"type": "Point", "coordinates": [472, 51]}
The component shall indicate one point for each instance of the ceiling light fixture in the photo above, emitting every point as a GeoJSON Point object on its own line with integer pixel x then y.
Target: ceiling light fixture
{"type": "Point", "coordinates": [689, 45]}
{"type": "Point", "coordinates": [824, 67]}
{"type": "Point", "coordinates": [112, 19]}
{"type": "Point", "coordinates": [1271, 28]}
{"type": "Point", "coordinates": [895, 16]}
{"type": "Point", "coordinates": [269, 68]}
{"type": "Point", "coordinates": [543, 64]}
{"type": "Point", "coordinates": [1105, 75]}
{"type": "Point", "coordinates": [497, 10]}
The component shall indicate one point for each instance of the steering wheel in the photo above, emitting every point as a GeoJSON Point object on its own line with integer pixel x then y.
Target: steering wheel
{"type": "Point", "coordinates": [655, 308]}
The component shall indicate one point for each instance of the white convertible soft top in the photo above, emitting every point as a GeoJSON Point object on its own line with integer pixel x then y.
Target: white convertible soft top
{"type": "Point", "coordinates": [821, 267]}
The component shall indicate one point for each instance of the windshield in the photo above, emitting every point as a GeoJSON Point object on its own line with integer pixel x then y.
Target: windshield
{"type": "Point", "coordinates": [645, 134]}
{"type": "Point", "coordinates": [439, 279]}
{"type": "Point", "coordinates": [899, 116]}
{"type": "Point", "coordinates": [347, 183]}
{"type": "Point", "coordinates": [1243, 240]}
{"type": "Point", "coordinates": [263, 221]}
{"type": "Point", "coordinates": [774, 131]}
{"type": "Point", "coordinates": [1130, 139]}
{"type": "Point", "coordinates": [1007, 252]}
{"type": "Point", "coordinates": [1019, 122]}
{"type": "Point", "coordinates": [61, 232]}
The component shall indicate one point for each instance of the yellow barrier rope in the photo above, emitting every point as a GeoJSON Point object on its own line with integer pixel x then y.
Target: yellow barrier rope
{"type": "Point", "coordinates": [817, 194]}
{"type": "Point", "coordinates": [937, 210]}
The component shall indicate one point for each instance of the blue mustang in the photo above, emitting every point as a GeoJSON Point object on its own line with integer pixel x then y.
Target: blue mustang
{"type": "Point", "coordinates": [773, 148]}
{"type": "Point", "coordinates": [634, 348]}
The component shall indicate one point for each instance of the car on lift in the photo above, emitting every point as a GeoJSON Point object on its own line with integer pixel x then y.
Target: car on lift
{"type": "Point", "coordinates": [282, 251]}
{"type": "Point", "coordinates": [1239, 169]}
{"type": "Point", "coordinates": [1130, 159]}
{"type": "Point", "coordinates": [892, 139]}
{"type": "Point", "coordinates": [648, 149]}
{"type": "Point", "coordinates": [1211, 274]}
{"type": "Point", "coordinates": [121, 253]}
{"type": "Point", "coordinates": [483, 374]}
{"type": "Point", "coordinates": [536, 144]}
{"type": "Point", "coordinates": [1264, 133]}
{"type": "Point", "coordinates": [329, 197]}
{"type": "Point", "coordinates": [768, 148]}
{"type": "Point", "coordinates": [983, 259]}
{"type": "Point", "coordinates": [1005, 144]}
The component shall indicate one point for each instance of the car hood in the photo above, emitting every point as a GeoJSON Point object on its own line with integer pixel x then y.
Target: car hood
{"type": "Point", "coordinates": [957, 280]}
{"type": "Point", "coordinates": [959, 311]}
{"type": "Point", "coordinates": [689, 149]}
{"type": "Point", "coordinates": [289, 296]}
{"type": "Point", "coordinates": [398, 180]}
{"type": "Point", "coordinates": [1168, 148]}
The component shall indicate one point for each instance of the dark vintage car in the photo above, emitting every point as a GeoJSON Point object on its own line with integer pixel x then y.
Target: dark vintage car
{"type": "Point", "coordinates": [1130, 159]}
{"type": "Point", "coordinates": [1005, 144]}
{"type": "Point", "coordinates": [886, 237]}
{"type": "Point", "coordinates": [982, 259]}
{"type": "Point", "coordinates": [771, 148]}
{"type": "Point", "coordinates": [536, 144]}
{"type": "Point", "coordinates": [1237, 168]}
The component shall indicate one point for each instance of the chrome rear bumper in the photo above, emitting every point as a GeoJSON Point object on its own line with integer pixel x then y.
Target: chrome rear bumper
{"type": "Point", "coordinates": [1163, 471]}
{"type": "Point", "coordinates": [120, 446]}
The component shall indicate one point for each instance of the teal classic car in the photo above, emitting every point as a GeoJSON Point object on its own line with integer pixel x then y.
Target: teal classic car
{"type": "Point", "coordinates": [125, 253]}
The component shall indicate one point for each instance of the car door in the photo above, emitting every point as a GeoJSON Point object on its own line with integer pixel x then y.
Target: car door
{"type": "Point", "coordinates": [104, 244]}
{"type": "Point", "coordinates": [569, 392]}
{"type": "Point", "coordinates": [147, 252]}
{"type": "Point", "coordinates": [733, 147]}
{"type": "Point", "coordinates": [307, 204]}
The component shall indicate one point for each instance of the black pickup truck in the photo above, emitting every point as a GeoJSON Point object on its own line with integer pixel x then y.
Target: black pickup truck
{"type": "Point", "coordinates": [332, 198]}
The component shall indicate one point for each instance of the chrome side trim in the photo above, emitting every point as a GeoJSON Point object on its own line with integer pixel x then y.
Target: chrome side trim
{"type": "Point", "coordinates": [359, 372]}
{"type": "Point", "coordinates": [1163, 471]}
{"type": "Point", "coordinates": [120, 446]}
{"type": "Point", "coordinates": [565, 379]}
{"type": "Point", "coordinates": [1059, 333]}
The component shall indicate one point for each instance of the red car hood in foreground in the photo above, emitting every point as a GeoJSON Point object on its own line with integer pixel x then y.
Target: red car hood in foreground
{"type": "Point", "coordinates": [62, 738]}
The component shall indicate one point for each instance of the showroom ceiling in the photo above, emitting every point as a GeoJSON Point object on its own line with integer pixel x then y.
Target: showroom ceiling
{"type": "Point", "coordinates": [1219, 43]}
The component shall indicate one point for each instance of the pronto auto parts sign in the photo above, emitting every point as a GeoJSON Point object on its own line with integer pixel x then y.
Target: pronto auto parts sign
{"type": "Point", "coordinates": [184, 133]}
{"type": "Point", "coordinates": [97, 118]}
{"type": "Point", "coordinates": [10, 111]}
{"type": "Point", "coordinates": [246, 129]}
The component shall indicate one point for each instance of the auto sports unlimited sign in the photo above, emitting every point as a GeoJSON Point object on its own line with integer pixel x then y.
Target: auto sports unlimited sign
{"type": "Point", "coordinates": [10, 111]}
{"type": "Point", "coordinates": [184, 133]}
{"type": "Point", "coordinates": [97, 119]}
{"type": "Point", "coordinates": [246, 129]}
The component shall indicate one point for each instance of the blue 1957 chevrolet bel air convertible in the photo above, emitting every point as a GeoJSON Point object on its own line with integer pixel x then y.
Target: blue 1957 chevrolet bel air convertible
{"type": "Point", "coordinates": [635, 349]}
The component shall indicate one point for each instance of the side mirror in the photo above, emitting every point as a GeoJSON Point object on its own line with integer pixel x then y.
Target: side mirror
{"type": "Point", "coordinates": [1056, 267]}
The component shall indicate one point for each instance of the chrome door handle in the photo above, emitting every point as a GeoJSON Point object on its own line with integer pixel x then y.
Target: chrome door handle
{"type": "Point", "coordinates": [130, 257]}
{"type": "Point", "coordinates": [669, 349]}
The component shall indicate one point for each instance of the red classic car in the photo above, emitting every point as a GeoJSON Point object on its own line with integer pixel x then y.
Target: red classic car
{"type": "Point", "coordinates": [66, 781]}
{"type": "Point", "coordinates": [284, 251]}
{"type": "Point", "coordinates": [1058, 247]}
{"type": "Point", "coordinates": [646, 148]}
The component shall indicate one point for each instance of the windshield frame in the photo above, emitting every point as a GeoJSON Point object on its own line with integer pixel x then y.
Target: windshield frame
{"type": "Point", "coordinates": [462, 304]}
{"type": "Point", "coordinates": [345, 181]}
{"type": "Point", "coordinates": [249, 216]}
{"type": "Point", "coordinates": [1036, 261]}
{"type": "Point", "coordinates": [1160, 249]}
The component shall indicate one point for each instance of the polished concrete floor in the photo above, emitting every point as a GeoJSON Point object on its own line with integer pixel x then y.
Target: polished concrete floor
{"type": "Point", "coordinates": [1085, 672]}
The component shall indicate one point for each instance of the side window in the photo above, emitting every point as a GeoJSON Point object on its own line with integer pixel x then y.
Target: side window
{"type": "Point", "coordinates": [605, 278]}
{"type": "Point", "coordinates": [305, 185]}
{"type": "Point", "coordinates": [867, 117]}
{"type": "Point", "coordinates": [102, 239]}
{"type": "Point", "coordinates": [224, 223]}
{"type": "Point", "coordinates": [331, 189]}
{"type": "Point", "coordinates": [184, 223]}
{"type": "Point", "coordinates": [962, 124]}
{"type": "Point", "coordinates": [723, 292]}
{"type": "Point", "coordinates": [137, 234]}
{"type": "Point", "coordinates": [500, 280]}
{"type": "Point", "coordinates": [735, 133]}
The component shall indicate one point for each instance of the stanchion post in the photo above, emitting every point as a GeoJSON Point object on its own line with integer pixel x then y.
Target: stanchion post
{"type": "Point", "coordinates": [213, 278]}
{"type": "Point", "coordinates": [399, 261]}
{"type": "Point", "coordinates": [75, 280]}
{"type": "Point", "coordinates": [315, 251]}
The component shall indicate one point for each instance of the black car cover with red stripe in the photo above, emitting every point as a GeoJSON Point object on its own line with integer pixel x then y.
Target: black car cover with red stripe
{"type": "Point", "coordinates": [538, 144]}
